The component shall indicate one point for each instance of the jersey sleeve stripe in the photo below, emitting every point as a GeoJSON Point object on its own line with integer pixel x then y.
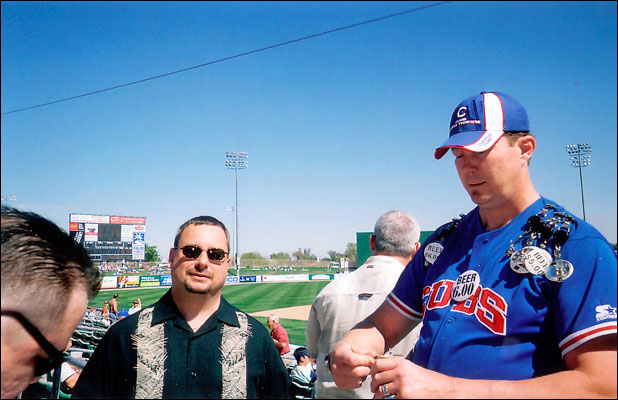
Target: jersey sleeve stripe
{"type": "Point", "coordinates": [402, 308]}
{"type": "Point", "coordinates": [576, 339]}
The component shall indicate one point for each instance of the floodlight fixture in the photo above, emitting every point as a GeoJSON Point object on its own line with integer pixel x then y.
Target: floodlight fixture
{"type": "Point", "coordinates": [580, 157]}
{"type": "Point", "coordinates": [236, 160]}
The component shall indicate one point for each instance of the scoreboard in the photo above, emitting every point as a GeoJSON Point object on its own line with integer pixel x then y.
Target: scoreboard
{"type": "Point", "coordinates": [109, 237]}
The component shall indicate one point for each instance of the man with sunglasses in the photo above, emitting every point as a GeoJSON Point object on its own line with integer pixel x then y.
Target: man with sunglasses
{"type": "Point", "coordinates": [191, 343]}
{"type": "Point", "coordinates": [46, 282]}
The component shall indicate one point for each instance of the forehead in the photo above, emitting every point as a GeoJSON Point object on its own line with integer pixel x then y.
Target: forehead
{"type": "Point", "coordinates": [196, 234]}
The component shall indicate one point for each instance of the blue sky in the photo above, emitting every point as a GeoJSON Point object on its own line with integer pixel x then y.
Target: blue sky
{"type": "Point", "coordinates": [339, 128]}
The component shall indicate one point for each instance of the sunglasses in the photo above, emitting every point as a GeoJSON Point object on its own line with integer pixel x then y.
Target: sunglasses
{"type": "Point", "coordinates": [216, 255]}
{"type": "Point", "coordinates": [43, 365]}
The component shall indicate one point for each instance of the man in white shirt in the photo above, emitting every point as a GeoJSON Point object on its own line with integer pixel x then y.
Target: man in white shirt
{"type": "Point", "coordinates": [350, 299]}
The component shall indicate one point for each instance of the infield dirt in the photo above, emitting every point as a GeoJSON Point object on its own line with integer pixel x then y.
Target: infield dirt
{"type": "Point", "coordinates": [298, 312]}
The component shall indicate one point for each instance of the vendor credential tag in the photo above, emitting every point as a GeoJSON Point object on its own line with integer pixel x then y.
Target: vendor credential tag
{"type": "Point", "coordinates": [432, 251]}
{"type": "Point", "coordinates": [465, 285]}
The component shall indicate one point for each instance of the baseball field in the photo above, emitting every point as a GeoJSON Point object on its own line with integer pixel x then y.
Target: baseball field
{"type": "Point", "coordinates": [290, 300]}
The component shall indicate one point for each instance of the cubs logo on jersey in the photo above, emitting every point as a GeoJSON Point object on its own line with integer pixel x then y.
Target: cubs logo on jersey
{"type": "Point", "coordinates": [487, 306]}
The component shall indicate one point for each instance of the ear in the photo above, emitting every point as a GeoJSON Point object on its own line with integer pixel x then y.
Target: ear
{"type": "Point", "coordinates": [526, 145]}
{"type": "Point", "coordinates": [170, 257]}
{"type": "Point", "coordinates": [372, 242]}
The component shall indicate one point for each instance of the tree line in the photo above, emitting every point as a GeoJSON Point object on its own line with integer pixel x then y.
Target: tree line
{"type": "Point", "coordinates": [152, 254]}
{"type": "Point", "coordinates": [304, 254]}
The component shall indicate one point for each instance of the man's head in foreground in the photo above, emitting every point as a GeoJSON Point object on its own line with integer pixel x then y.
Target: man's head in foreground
{"type": "Point", "coordinates": [46, 281]}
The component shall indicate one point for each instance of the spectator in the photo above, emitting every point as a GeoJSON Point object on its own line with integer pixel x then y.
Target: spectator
{"type": "Point", "coordinates": [46, 282]}
{"type": "Point", "coordinates": [191, 343]}
{"type": "Point", "coordinates": [280, 338]}
{"type": "Point", "coordinates": [303, 375]}
{"type": "Point", "coordinates": [105, 313]}
{"type": "Point", "coordinates": [517, 298]}
{"type": "Point", "coordinates": [348, 300]}
{"type": "Point", "coordinates": [113, 309]}
{"type": "Point", "coordinates": [137, 305]}
{"type": "Point", "coordinates": [92, 314]}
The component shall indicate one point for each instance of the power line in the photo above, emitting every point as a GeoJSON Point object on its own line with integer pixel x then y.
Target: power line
{"type": "Point", "coordinates": [229, 58]}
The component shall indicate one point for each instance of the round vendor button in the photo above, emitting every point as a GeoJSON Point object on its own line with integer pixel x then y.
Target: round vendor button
{"type": "Point", "coordinates": [517, 261]}
{"type": "Point", "coordinates": [537, 260]}
{"type": "Point", "coordinates": [432, 251]}
{"type": "Point", "coordinates": [465, 286]}
{"type": "Point", "coordinates": [559, 270]}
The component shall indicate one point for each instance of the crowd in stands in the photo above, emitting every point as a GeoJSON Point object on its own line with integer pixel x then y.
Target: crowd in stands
{"type": "Point", "coordinates": [134, 267]}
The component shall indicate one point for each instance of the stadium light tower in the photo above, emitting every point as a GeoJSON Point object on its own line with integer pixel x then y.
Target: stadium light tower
{"type": "Point", "coordinates": [236, 160]}
{"type": "Point", "coordinates": [580, 157]}
{"type": "Point", "coordinates": [7, 199]}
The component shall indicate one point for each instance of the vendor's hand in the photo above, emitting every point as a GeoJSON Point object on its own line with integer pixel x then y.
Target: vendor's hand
{"type": "Point", "coordinates": [406, 380]}
{"type": "Point", "coordinates": [349, 365]}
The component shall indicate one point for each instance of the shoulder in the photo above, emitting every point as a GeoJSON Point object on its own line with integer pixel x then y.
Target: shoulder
{"type": "Point", "coordinates": [580, 232]}
{"type": "Point", "coordinates": [332, 286]}
{"type": "Point", "coordinates": [459, 223]}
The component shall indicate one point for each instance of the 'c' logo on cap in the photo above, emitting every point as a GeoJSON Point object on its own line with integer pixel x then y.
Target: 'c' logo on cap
{"type": "Point", "coordinates": [462, 112]}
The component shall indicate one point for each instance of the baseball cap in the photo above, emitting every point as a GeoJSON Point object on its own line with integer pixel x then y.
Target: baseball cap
{"type": "Point", "coordinates": [479, 122]}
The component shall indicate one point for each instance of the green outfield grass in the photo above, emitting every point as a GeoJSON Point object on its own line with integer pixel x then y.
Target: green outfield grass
{"type": "Point", "coordinates": [247, 297]}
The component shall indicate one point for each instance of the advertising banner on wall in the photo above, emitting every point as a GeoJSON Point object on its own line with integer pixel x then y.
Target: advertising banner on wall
{"type": "Point", "coordinates": [93, 219]}
{"type": "Point", "coordinates": [114, 219]}
{"type": "Point", "coordinates": [139, 246]}
{"type": "Point", "coordinates": [150, 281]}
{"type": "Point", "coordinates": [91, 232]}
{"type": "Point", "coordinates": [321, 277]}
{"type": "Point", "coordinates": [243, 279]}
{"type": "Point", "coordinates": [109, 282]}
{"type": "Point", "coordinates": [285, 278]}
{"type": "Point", "coordinates": [128, 281]}
{"type": "Point", "coordinates": [166, 280]}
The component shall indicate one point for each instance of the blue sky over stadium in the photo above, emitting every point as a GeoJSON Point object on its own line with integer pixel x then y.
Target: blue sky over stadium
{"type": "Point", "coordinates": [339, 127]}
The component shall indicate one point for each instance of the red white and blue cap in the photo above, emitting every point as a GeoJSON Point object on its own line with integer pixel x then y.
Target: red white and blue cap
{"type": "Point", "coordinates": [479, 122]}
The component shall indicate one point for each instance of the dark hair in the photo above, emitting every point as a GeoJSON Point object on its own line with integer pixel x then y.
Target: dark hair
{"type": "Point", "coordinates": [202, 220]}
{"type": "Point", "coordinates": [299, 353]}
{"type": "Point", "coordinates": [41, 262]}
{"type": "Point", "coordinates": [512, 136]}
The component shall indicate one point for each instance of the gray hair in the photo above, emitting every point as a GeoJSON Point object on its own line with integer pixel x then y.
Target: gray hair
{"type": "Point", "coordinates": [274, 317]}
{"type": "Point", "coordinates": [397, 233]}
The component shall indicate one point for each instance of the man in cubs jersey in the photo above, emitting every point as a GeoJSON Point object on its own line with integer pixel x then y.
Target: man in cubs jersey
{"type": "Point", "coordinates": [517, 298]}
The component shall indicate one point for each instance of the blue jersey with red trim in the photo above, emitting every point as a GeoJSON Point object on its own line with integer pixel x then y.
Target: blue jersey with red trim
{"type": "Point", "coordinates": [515, 326]}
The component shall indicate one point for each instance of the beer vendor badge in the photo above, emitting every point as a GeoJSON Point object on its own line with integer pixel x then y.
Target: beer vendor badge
{"type": "Point", "coordinates": [518, 260]}
{"type": "Point", "coordinates": [465, 286]}
{"type": "Point", "coordinates": [537, 260]}
{"type": "Point", "coordinates": [559, 270]}
{"type": "Point", "coordinates": [432, 251]}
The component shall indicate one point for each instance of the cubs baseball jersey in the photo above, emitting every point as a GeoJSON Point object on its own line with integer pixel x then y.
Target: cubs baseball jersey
{"type": "Point", "coordinates": [515, 325]}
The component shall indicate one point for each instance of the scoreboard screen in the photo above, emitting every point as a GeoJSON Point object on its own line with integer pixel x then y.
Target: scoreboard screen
{"type": "Point", "coordinates": [109, 233]}
{"type": "Point", "coordinates": [109, 237]}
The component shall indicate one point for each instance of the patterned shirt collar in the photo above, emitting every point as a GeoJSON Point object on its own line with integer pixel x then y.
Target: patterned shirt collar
{"type": "Point", "coordinates": [166, 309]}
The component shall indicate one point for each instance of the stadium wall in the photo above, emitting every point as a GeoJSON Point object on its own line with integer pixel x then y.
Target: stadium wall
{"type": "Point", "coordinates": [151, 281]}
